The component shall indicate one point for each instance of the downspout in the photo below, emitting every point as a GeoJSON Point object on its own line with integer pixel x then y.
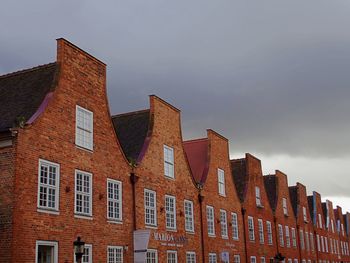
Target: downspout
{"type": "Point", "coordinates": [277, 234]}
{"type": "Point", "coordinates": [200, 199]}
{"type": "Point", "coordinates": [244, 235]}
{"type": "Point", "coordinates": [298, 242]}
{"type": "Point", "coordinates": [133, 180]}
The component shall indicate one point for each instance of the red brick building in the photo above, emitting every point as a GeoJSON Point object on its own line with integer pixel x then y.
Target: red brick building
{"type": "Point", "coordinates": [62, 173]}
{"type": "Point", "coordinates": [257, 214]}
{"type": "Point", "coordinates": [305, 225]}
{"type": "Point", "coordinates": [166, 199]}
{"type": "Point", "coordinates": [276, 186]}
{"type": "Point", "coordinates": [223, 238]}
{"type": "Point", "coordinates": [343, 237]}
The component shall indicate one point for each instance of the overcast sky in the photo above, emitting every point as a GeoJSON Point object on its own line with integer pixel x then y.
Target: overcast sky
{"type": "Point", "coordinates": [272, 76]}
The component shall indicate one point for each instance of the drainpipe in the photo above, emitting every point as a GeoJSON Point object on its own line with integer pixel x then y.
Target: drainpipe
{"type": "Point", "coordinates": [277, 234]}
{"type": "Point", "coordinates": [133, 180]}
{"type": "Point", "coordinates": [200, 199]}
{"type": "Point", "coordinates": [298, 241]}
{"type": "Point", "coordinates": [244, 235]}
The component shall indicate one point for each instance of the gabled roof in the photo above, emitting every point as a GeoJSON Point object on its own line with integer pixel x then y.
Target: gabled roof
{"type": "Point", "coordinates": [240, 177]}
{"type": "Point", "coordinates": [197, 152]}
{"type": "Point", "coordinates": [293, 194]}
{"type": "Point", "coordinates": [132, 130]}
{"type": "Point", "coordinates": [310, 201]}
{"type": "Point", "coordinates": [270, 182]}
{"type": "Point", "coordinates": [23, 92]}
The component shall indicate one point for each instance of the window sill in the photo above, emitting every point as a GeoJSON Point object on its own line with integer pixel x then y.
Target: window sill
{"type": "Point", "coordinates": [211, 235]}
{"type": "Point", "coordinates": [151, 227]}
{"type": "Point", "coordinates": [84, 149]}
{"type": "Point", "coordinates": [83, 216]}
{"type": "Point", "coordinates": [190, 232]}
{"type": "Point", "coordinates": [47, 211]}
{"type": "Point", "coordinates": [117, 222]}
{"type": "Point", "coordinates": [224, 237]}
{"type": "Point", "coordinates": [171, 229]}
{"type": "Point", "coordinates": [235, 239]}
{"type": "Point", "coordinates": [259, 206]}
{"type": "Point", "coordinates": [169, 177]}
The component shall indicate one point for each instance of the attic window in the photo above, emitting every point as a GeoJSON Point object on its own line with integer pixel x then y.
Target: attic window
{"type": "Point", "coordinates": [257, 196]}
{"type": "Point", "coordinates": [84, 128]}
{"type": "Point", "coordinates": [304, 214]}
{"type": "Point", "coordinates": [285, 209]}
{"type": "Point", "coordinates": [168, 161]}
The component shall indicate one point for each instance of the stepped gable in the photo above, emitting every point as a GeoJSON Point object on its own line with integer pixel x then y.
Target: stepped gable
{"type": "Point", "coordinates": [23, 92]}
{"type": "Point", "coordinates": [198, 158]}
{"type": "Point", "coordinates": [132, 129]}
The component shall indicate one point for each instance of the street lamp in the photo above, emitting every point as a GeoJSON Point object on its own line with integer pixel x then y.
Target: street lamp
{"type": "Point", "coordinates": [78, 249]}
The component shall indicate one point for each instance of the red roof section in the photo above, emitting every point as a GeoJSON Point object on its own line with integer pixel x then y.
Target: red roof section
{"type": "Point", "coordinates": [197, 152]}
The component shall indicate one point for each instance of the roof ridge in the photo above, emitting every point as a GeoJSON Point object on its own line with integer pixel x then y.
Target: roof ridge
{"type": "Point", "coordinates": [129, 113]}
{"type": "Point", "coordinates": [48, 65]}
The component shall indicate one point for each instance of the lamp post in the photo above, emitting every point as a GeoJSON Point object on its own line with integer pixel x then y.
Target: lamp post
{"type": "Point", "coordinates": [78, 249]}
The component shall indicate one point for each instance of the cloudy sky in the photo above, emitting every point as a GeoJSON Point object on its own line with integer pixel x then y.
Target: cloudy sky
{"type": "Point", "coordinates": [272, 76]}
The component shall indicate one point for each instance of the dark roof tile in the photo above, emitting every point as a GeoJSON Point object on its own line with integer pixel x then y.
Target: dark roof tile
{"type": "Point", "coordinates": [240, 177]}
{"type": "Point", "coordinates": [270, 182]}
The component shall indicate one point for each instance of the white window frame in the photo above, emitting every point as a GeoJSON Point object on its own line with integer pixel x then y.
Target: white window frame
{"type": "Point", "coordinates": [174, 252]}
{"type": "Point", "coordinates": [151, 209]}
{"type": "Point", "coordinates": [89, 194]}
{"type": "Point", "coordinates": [251, 233]}
{"type": "Point", "coordinates": [223, 224]}
{"type": "Point", "coordinates": [258, 196]}
{"type": "Point", "coordinates": [287, 236]}
{"type": "Point", "coordinates": [285, 207]}
{"type": "Point", "coordinates": [115, 249]}
{"type": "Point", "coordinates": [269, 233]}
{"type": "Point", "coordinates": [49, 164]}
{"type": "Point", "coordinates": [169, 164]}
{"type": "Point", "coordinates": [252, 259]}
{"type": "Point", "coordinates": [280, 235]}
{"type": "Point", "coordinates": [115, 201]}
{"type": "Point", "coordinates": [190, 257]}
{"type": "Point", "coordinates": [210, 220]}
{"type": "Point", "coordinates": [87, 247]}
{"type": "Point", "coordinates": [221, 182]}
{"type": "Point", "coordinates": [170, 212]}
{"type": "Point", "coordinates": [305, 214]}
{"type": "Point", "coordinates": [320, 221]}
{"type": "Point", "coordinates": [235, 229]}
{"type": "Point", "coordinates": [154, 252]}
{"type": "Point", "coordinates": [294, 237]}
{"type": "Point", "coordinates": [189, 216]}
{"type": "Point", "coordinates": [302, 240]}
{"type": "Point", "coordinates": [53, 244]}
{"type": "Point", "coordinates": [236, 258]}
{"type": "Point", "coordinates": [262, 260]}
{"type": "Point", "coordinates": [311, 236]}
{"type": "Point", "coordinates": [212, 258]}
{"type": "Point", "coordinates": [261, 231]}
{"type": "Point", "coordinates": [85, 130]}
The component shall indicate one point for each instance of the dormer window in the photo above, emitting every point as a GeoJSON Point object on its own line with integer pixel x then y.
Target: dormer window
{"type": "Point", "coordinates": [257, 196]}
{"type": "Point", "coordinates": [168, 161]}
{"type": "Point", "coordinates": [84, 128]}
{"type": "Point", "coordinates": [285, 209]}
{"type": "Point", "coordinates": [221, 182]}
{"type": "Point", "coordinates": [304, 214]}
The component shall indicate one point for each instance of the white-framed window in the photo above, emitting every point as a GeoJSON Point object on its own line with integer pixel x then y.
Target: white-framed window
{"type": "Point", "coordinates": [301, 236]}
{"type": "Point", "coordinates": [319, 221]}
{"type": "Point", "coordinates": [83, 193]}
{"type": "Point", "coordinates": [48, 185]}
{"type": "Point", "coordinates": [46, 251]}
{"type": "Point", "coordinates": [326, 244]}
{"type": "Point", "coordinates": [342, 229]}
{"type": "Point", "coordinates": [114, 199]}
{"type": "Point", "coordinates": [252, 259]}
{"type": "Point", "coordinates": [287, 236]}
{"type": "Point", "coordinates": [152, 256]}
{"type": "Point", "coordinates": [269, 232]}
{"type": "Point", "coordinates": [304, 214]}
{"type": "Point", "coordinates": [285, 208]}
{"type": "Point", "coordinates": [257, 196]}
{"type": "Point", "coordinates": [189, 221]}
{"type": "Point", "coordinates": [169, 161]}
{"type": "Point", "coordinates": [210, 221]}
{"type": "Point", "coordinates": [262, 260]}
{"type": "Point", "coordinates": [251, 228]}
{"type": "Point", "coordinates": [261, 231]}
{"type": "Point", "coordinates": [312, 242]}
{"type": "Point", "coordinates": [221, 182]}
{"type": "Point", "coordinates": [170, 212]}
{"type": "Point", "coordinates": [223, 223]}
{"type": "Point", "coordinates": [322, 244]}
{"type": "Point", "coordinates": [332, 225]}
{"type": "Point", "coordinates": [295, 260]}
{"type": "Point", "coordinates": [331, 245]}
{"type": "Point", "coordinates": [87, 256]}
{"type": "Point", "coordinates": [280, 235]}
{"type": "Point", "coordinates": [294, 237]}
{"type": "Point", "coordinates": [235, 233]}
{"type": "Point", "coordinates": [236, 259]}
{"type": "Point", "coordinates": [84, 128]}
{"type": "Point", "coordinates": [307, 241]}
{"type": "Point", "coordinates": [115, 254]}
{"type": "Point", "coordinates": [190, 257]}
{"type": "Point", "coordinates": [150, 207]}
{"type": "Point", "coordinates": [318, 243]}
{"type": "Point", "coordinates": [212, 258]}
{"type": "Point", "coordinates": [290, 260]}
{"type": "Point", "coordinates": [171, 256]}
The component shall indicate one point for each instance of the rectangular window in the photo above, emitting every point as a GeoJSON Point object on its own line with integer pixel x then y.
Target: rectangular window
{"type": "Point", "coordinates": [236, 259]}
{"type": "Point", "coordinates": [221, 182]}
{"type": "Point", "coordinates": [114, 254]}
{"type": "Point", "coordinates": [150, 207]}
{"type": "Point", "coordinates": [152, 256]}
{"type": "Point", "coordinates": [171, 256]}
{"type": "Point", "coordinates": [168, 161]}
{"type": "Point", "coordinates": [304, 214]}
{"type": "Point", "coordinates": [87, 256]}
{"type": "Point", "coordinates": [331, 245]}
{"type": "Point", "coordinates": [322, 244]}
{"type": "Point", "coordinates": [190, 257]}
{"type": "Point", "coordinates": [269, 232]}
{"type": "Point", "coordinates": [290, 260]}
{"type": "Point", "coordinates": [287, 236]}
{"type": "Point", "coordinates": [83, 193]}
{"type": "Point", "coordinates": [251, 228]}
{"type": "Point", "coordinates": [257, 196]}
{"type": "Point", "coordinates": [312, 242]}
{"type": "Point", "coordinates": [223, 223]}
{"type": "Point", "coordinates": [319, 221]}
{"type": "Point", "coordinates": [252, 259]}
{"type": "Point", "coordinates": [261, 231]}
{"type": "Point", "coordinates": [294, 238]}
{"type": "Point", "coordinates": [170, 212]}
{"type": "Point", "coordinates": [189, 222]}
{"type": "Point", "coordinates": [301, 235]}
{"type": "Point", "coordinates": [326, 244]}
{"type": "Point", "coordinates": [48, 186]}
{"type": "Point", "coordinates": [84, 128]}
{"type": "Point", "coordinates": [114, 201]}
{"type": "Point", "coordinates": [262, 260]}
{"type": "Point", "coordinates": [234, 226]}
{"type": "Point", "coordinates": [285, 209]}
{"type": "Point", "coordinates": [295, 260]}
{"type": "Point", "coordinates": [318, 243]}
{"type": "Point", "coordinates": [307, 240]}
{"type": "Point", "coordinates": [280, 235]}
{"type": "Point", "coordinates": [46, 251]}
{"type": "Point", "coordinates": [212, 258]}
{"type": "Point", "coordinates": [210, 221]}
